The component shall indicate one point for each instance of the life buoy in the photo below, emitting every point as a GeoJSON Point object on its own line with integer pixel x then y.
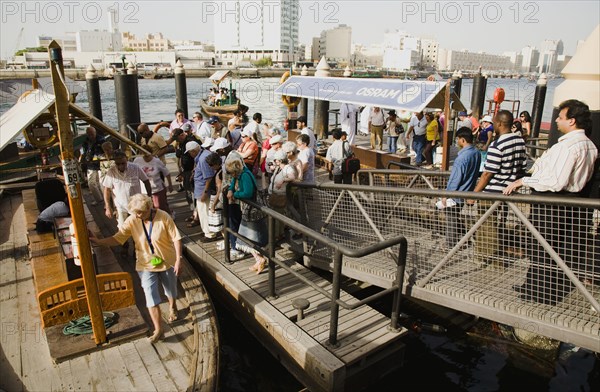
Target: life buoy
{"type": "Point", "coordinates": [290, 102]}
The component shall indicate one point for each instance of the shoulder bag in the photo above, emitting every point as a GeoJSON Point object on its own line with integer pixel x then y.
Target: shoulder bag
{"type": "Point", "coordinates": [351, 163]}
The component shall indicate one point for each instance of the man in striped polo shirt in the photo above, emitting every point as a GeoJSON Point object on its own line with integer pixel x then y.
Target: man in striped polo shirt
{"type": "Point", "coordinates": [506, 161]}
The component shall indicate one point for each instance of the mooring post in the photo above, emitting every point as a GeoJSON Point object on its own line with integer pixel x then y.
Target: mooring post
{"type": "Point", "coordinates": [93, 92]}
{"type": "Point", "coordinates": [304, 102]}
{"type": "Point", "coordinates": [478, 96]}
{"type": "Point", "coordinates": [128, 100]}
{"type": "Point", "coordinates": [181, 88]}
{"type": "Point", "coordinates": [321, 121]}
{"type": "Point", "coordinates": [538, 105]}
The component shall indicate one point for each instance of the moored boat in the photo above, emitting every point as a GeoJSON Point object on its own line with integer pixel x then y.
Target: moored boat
{"type": "Point", "coordinates": [224, 112]}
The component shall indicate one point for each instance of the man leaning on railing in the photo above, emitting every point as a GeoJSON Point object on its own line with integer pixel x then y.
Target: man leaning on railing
{"type": "Point", "coordinates": [564, 169]}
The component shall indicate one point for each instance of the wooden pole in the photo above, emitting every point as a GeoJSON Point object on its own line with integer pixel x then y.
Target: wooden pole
{"type": "Point", "coordinates": [71, 171]}
{"type": "Point", "coordinates": [445, 139]}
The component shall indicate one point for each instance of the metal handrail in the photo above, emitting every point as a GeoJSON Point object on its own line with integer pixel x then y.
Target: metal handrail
{"type": "Point", "coordinates": [497, 199]}
{"type": "Point", "coordinates": [340, 252]}
{"type": "Point", "coordinates": [436, 193]}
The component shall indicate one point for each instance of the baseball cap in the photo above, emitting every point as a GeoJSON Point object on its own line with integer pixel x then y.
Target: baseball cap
{"type": "Point", "coordinates": [462, 113]}
{"type": "Point", "coordinates": [487, 118]}
{"type": "Point", "coordinates": [189, 146]}
{"type": "Point", "coordinates": [247, 133]}
{"type": "Point", "coordinates": [177, 132]}
{"type": "Point", "coordinates": [186, 127]}
{"type": "Point", "coordinates": [219, 143]}
{"type": "Point", "coordinates": [275, 139]}
{"type": "Point", "coordinates": [209, 141]}
{"type": "Point", "coordinates": [280, 155]}
{"type": "Point", "coordinates": [212, 120]}
{"type": "Point", "coordinates": [289, 146]}
{"type": "Point", "coordinates": [301, 119]}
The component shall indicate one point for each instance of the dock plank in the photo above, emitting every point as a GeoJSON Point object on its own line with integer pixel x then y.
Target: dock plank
{"type": "Point", "coordinates": [137, 372]}
{"type": "Point", "coordinates": [116, 369]}
{"type": "Point", "coordinates": [156, 368]}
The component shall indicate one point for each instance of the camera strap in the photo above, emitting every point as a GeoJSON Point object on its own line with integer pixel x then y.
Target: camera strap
{"type": "Point", "coordinates": [149, 231]}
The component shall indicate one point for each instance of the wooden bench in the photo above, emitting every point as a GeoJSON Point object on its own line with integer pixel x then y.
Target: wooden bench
{"type": "Point", "coordinates": [59, 299]}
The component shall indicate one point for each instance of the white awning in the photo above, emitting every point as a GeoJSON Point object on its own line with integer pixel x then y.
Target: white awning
{"type": "Point", "coordinates": [23, 113]}
{"type": "Point", "coordinates": [409, 95]}
{"type": "Point", "coordinates": [218, 76]}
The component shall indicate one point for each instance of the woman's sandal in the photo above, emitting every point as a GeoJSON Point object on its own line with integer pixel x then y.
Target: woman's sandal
{"type": "Point", "coordinates": [173, 316]}
{"type": "Point", "coordinates": [155, 337]}
{"type": "Point", "coordinates": [261, 266]}
{"type": "Point", "coordinates": [190, 219]}
{"type": "Point", "coordinates": [193, 223]}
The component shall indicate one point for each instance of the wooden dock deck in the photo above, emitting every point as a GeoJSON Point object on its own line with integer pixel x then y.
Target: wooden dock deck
{"type": "Point", "coordinates": [367, 348]}
{"type": "Point", "coordinates": [187, 358]}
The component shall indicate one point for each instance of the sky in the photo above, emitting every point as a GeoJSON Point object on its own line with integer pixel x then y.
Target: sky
{"type": "Point", "coordinates": [489, 26]}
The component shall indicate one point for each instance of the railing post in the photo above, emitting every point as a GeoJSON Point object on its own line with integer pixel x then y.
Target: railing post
{"type": "Point", "coordinates": [335, 295]}
{"type": "Point", "coordinates": [400, 266]}
{"type": "Point", "coordinates": [225, 227]}
{"type": "Point", "coordinates": [271, 221]}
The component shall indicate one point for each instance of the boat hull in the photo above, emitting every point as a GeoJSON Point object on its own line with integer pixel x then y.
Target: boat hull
{"type": "Point", "coordinates": [223, 112]}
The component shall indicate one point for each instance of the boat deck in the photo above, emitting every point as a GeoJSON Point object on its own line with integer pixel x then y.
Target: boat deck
{"type": "Point", "coordinates": [187, 358]}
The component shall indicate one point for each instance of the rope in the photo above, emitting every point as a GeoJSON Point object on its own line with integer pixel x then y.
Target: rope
{"type": "Point", "coordinates": [83, 325]}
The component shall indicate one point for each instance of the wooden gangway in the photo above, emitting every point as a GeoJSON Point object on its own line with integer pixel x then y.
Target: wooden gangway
{"type": "Point", "coordinates": [458, 278]}
{"type": "Point", "coordinates": [367, 347]}
{"type": "Point", "coordinates": [187, 359]}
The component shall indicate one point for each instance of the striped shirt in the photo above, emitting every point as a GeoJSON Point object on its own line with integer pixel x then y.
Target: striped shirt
{"type": "Point", "coordinates": [506, 159]}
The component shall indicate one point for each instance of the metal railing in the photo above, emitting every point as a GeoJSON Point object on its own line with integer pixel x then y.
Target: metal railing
{"type": "Point", "coordinates": [503, 252]}
{"type": "Point", "coordinates": [411, 178]}
{"type": "Point", "coordinates": [340, 251]}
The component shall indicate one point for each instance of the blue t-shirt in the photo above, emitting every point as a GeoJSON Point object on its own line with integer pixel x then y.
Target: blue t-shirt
{"type": "Point", "coordinates": [465, 171]}
{"type": "Point", "coordinates": [202, 173]}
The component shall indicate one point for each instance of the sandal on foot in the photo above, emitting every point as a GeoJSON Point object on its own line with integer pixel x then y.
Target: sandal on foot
{"type": "Point", "coordinates": [261, 266]}
{"type": "Point", "coordinates": [254, 266]}
{"type": "Point", "coordinates": [193, 223]}
{"type": "Point", "coordinates": [173, 316]}
{"type": "Point", "coordinates": [189, 219]}
{"type": "Point", "coordinates": [156, 337]}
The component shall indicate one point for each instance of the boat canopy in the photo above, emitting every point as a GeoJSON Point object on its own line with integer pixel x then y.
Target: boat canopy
{"type": "Point", "coordinates": [28, 108]}
{"type": "Point", "coordinates": [408, 95]}
{"type": "Point", "coordinates": [218, 76]}
{"type": "Point", "coordinates": [11, 90]}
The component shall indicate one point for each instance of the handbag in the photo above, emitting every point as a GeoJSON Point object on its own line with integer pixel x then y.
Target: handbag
{"type": "Point", "coordinates": [351, 163]}
{"type": "Point", "coordinates": [277, 200]}
{"type": "Point", "coordinates": [250, 213]}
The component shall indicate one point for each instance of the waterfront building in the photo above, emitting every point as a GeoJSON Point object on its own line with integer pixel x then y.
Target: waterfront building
{"type": "Point", "coordinates": [151, 43]}
{"type": "Point", "coordinates": [250, 31]}
{"type": "Point", "coordinates": [530, 60]}
{"type": "Point", "coordinates": [336, 44]}
{"type": "Point", "coordinates": [367, 56]}
{"type": "Point", "coordinates": [549, 52]}
{"type": "Point", "coordinates": [429, 53]}
{"type": "Point", "coordinates": [68, 42]}
{"type": "Point", "coordinates": [471, 61]}
{"type": "Point", "coordinates": [516, 60]}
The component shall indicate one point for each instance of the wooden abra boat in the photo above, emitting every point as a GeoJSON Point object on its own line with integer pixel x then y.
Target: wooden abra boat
{"type": "Point", "coordinates": [224, 112]}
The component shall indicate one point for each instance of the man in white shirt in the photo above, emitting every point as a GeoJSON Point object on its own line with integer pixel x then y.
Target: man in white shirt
{"type": "Point", "coordinates": [307, 157]}
{"type": "Point", "coordinates": [348, 119]}
{"type": "Point", "coordinates": [376, 124]}
{"type": "Point", "coordinates": [564, 169]}
{"type": "Point", "coordinates": [336, 153]}
{"type": "Point", "coordinates": [120, 183]}
{"type": "Point", "coordinates": [417, 126]}
{"type": "Point", "coordinates": [202, 129]}
{"type": "Point", "coordinates": [254, 128]}
{"type": "Point", "coordinates": [304, 129]}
